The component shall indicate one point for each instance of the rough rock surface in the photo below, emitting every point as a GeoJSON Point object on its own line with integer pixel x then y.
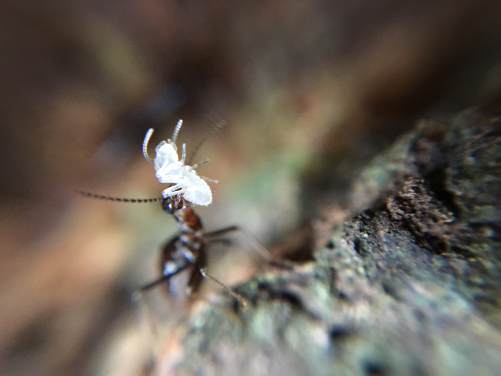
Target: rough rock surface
{"type": "Point", "coordinates": [407, 284]}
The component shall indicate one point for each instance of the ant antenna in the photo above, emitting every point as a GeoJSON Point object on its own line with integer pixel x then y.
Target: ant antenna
{"type": "Point", "coordinates": [145, 144]}
{"type": "Point", "coordinates": [118, 199]}
{"type": "Point", "coordinates": [176, 131]}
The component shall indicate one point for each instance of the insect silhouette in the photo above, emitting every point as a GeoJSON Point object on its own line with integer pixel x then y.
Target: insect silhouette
{"type": "Point", "coordinates": [187, 250]}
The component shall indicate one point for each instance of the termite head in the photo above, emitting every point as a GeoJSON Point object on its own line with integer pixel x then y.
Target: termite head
{"type": "Point", "coordinates": [183, 179]}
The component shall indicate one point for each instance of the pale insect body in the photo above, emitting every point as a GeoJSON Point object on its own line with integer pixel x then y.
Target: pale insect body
{"type": "Point", "coordinates": [188, 250]}
{"type": "Point", "coordinates": [172, 170]}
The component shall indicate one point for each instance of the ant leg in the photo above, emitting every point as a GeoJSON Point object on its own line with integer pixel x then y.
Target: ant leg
{"type": "Point", "coordinates": [218, 233]}
{"type": "Point", "coordinates": [150, 285]}
{"type": "Point", "coordinates": [200, 272]}
{"type": "Point", "coordinates": [148, 328]}
{"type": "Point", "coordinates": [164, 278]}
{"type": "Point", "coordinates": [148, 321]}
{"type": "Point", "coordinates": [194, 283]}
{"type": "Point", "coordinates": [256, 244]}
{"type": "Point", "coordinates": [241, 300]}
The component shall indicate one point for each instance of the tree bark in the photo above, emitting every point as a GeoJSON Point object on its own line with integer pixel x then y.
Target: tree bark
{"type": "Point", "coordinates": [407, 284]}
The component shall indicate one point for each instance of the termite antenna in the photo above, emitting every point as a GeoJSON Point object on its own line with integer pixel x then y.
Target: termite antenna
{"type": "Point", "coordinates": [176, 131]}
{"type": "Point", "coordinates": [213, 129]}
{"type": "Point", "coordinates": [119, 199]}
{"type": "Point", "coordinates": [183, 154]}
{"type": "Point", "coordinates": [145, 144]}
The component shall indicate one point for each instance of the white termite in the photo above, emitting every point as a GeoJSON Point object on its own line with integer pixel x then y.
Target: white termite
{"type": "Point", "coordinates": [172, 170]}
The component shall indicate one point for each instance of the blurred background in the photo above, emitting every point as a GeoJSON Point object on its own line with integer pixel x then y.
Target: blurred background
{"type": "Point", "coordinates": [310, 92]}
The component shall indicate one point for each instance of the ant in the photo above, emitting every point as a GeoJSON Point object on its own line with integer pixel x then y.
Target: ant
{"type": "Point", "coordinates": [187, 249]}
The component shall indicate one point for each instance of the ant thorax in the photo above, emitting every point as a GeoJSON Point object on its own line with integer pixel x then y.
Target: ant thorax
{"type": "Point", "coordinates": [172, 170]}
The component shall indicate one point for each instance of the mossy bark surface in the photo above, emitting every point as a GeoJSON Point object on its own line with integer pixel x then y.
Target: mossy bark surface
{"type": "Point", "coordinates": [407, 284]}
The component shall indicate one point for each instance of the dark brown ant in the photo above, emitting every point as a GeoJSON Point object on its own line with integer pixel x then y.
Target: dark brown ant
{"type": "Point", "coordinates": [188, 249]}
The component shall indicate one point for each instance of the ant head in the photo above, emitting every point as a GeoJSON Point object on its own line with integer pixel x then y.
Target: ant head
{"type": "Point", "coordinates": [171, 204]}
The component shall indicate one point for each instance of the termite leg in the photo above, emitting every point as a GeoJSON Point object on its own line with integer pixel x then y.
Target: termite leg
{"type": "Point", "coordinates": [209, 180]}
{"type": "Point", "coordinates": [171, 191]}
{"type": "Point", "coordinates": [199, 164]}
